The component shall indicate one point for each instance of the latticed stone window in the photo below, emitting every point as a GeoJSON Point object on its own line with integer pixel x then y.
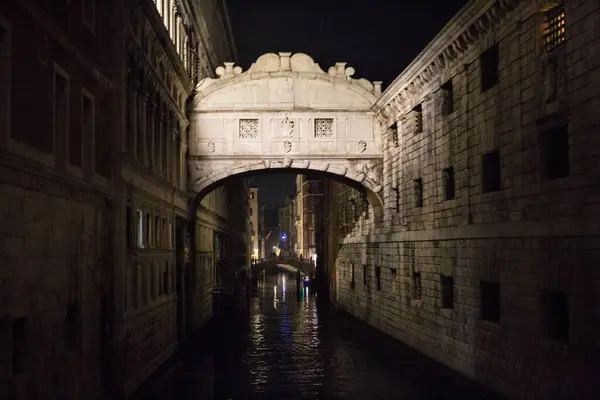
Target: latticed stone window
{"type": "Point", "coordinates": [554, 34]}
{"type": "Point", "coordinates": [248, 128]}
{"type": "Point", "coordinates": [323, 127]}
{"type": "Point", "coordinates": [394, 132]}
{"type": "Point", "coordinates": [416, 285]}
{"type": "Point", "coordinates": [418, 192]}
{"type": "Point", "coordinates": [418, 118]}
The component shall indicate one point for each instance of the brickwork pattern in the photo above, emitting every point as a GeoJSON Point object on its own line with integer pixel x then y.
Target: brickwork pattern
{"type": "Point", "coordinates": [52, 275]}
{"type": "Point", "coordinates": [531, 236]}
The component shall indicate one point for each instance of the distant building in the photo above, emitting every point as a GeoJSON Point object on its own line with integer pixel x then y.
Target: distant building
{"type": "Point", "coordinates": [254, 223]}
{"type": "Point", "coordinates": [287, 221]}
{"type": "Point", "coordinates": [309, 193]}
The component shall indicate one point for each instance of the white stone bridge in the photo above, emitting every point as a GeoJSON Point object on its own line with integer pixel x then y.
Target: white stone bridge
{"type": "Point", "coordinates": [289, 262]}
{"type": "Point", "coordinates": [286, 113]}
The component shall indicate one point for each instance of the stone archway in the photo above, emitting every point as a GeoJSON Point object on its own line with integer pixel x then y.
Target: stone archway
{"type": "Point", "coordinates": [285, 112]}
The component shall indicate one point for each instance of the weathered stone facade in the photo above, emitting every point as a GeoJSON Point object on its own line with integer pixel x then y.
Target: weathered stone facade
{"type": "Point", "coordinates": [483, 260]}
{"type": "Point", "coordinates": [96, 235]}
{"type": "Point", "coordinates": [56, 212]}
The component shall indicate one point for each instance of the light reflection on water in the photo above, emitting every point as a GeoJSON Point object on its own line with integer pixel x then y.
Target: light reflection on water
{"type": "Point", "coordinates": [288, 348]}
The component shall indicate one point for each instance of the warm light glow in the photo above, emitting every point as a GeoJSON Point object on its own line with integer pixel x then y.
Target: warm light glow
{"type": "Point", "coordinates": [555, 32]}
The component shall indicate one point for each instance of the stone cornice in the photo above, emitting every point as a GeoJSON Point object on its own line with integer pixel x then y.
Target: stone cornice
{"type": "Point", "coordinates": [162, 36]}
{"type": "Point", "coordinates": [455, 40]}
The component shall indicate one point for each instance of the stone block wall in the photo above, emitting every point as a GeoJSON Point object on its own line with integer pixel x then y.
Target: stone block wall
{"type": "Point", "coordinates": [54, 287]}
{"type": "Point", "coordinates": [497, 280]}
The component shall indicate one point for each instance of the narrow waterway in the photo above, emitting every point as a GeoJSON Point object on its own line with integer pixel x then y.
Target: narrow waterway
{"type": "Point", "coordinates": [288, 345]}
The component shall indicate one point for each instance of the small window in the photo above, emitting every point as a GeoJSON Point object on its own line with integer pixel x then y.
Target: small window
{"type": "Point", "coordinates": [157, 233]}
{"type": "Point", "coordinates": [490, 301]}
{"type": "Point", "coordinates": [448, 93]}
{"type": "Point", "coordinates": [19, 345]}
{"type": "Point", "coordinates": [447, 291]}
{"type": "Point", "coordinates": [416, 285]}
{"type": "Point", "coordinates": [248, 128]}
{"type": "Point", "coordinates": [61, 108]}
{"type": "Point", "coordinates": [555, 315]}
{"type": "Point", "coordinates": [352, 273]}
{"type": "Point", "coordinates": [140, 229]}
{"type": "Point", "coordinates": [555, 30]}
{"type": "Point", "coordinates": [418, 118]}
{"type": "Point", "coordinates": [555, 153]}
{"type": "Point", "coordinates": [88, 123]}
{"type": "Point", "coordinates": [489, 65]}
{"type": "Point", "coordinates": [491, 175]}
{"type": "Point", "coordinates": [148, 233]}
{"type": "Point", "coordinates": [323, 127]}
{"type": "Point", "coordinates": [251, 195]}
{"type": "Point", "coordinates": [129, 224]}
{"type": "Point", "coordinates": [394, 134]}
{"type": "Point", "coordinates": [72, 322]}
{"type": "Point", "coordinates": [448, 177]}
{"type": "Point", "coordinates": [418, 192]}
{"type": "Point", "coordinates": [397, 198]}
{"type": "Point", "coordinates": [378, 277]}
{"type": "Point", "coordinates": [365, 274]}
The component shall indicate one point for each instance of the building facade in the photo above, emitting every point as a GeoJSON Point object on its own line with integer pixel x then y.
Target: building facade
{"type": "Point", "coordinates": [57, 198]}
{"type": "Point", "coordinates": [96, 187]}
{"type": "Point", "coordinates": [483, 257]}
{"type": "Point", "coordinates": [287, 225]}
{"type": "Point", "coordinates": [254, 222]}
{"type": "Point", "coordinates": [262, 232]}
{"type": "Point", "coordinates": [310, 191]}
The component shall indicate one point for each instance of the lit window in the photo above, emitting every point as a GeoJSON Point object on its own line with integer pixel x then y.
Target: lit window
{"type": "Point", "coordinates": [140, 229]}
{"type": "Point", "coordinates": [554, 34]}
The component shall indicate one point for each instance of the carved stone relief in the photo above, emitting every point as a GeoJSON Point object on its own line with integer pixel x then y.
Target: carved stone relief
{"type": "Point", "coordinates": [287, 127]}
{"type": "Point", "coordinates": [210, 147]}
{"type": "Point", "coordinates": [362, 146]}
{"type": "Point", "coordinates": [552, 77]}
{"type": "Point", "coordinates": [287, 146]}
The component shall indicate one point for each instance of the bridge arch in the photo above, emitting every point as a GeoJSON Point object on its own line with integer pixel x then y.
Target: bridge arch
{"type": "Point", "coordinates": [285, 113]}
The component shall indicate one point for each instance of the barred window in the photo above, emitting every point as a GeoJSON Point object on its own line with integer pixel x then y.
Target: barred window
{"type": "Point", "coordinates": [554, 34]}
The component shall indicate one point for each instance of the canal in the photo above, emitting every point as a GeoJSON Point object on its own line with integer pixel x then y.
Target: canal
{"type": "Point", "coordinates": [290, 345]}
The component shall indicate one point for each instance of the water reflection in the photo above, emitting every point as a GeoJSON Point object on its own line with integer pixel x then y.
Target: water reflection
{"type": "Point", "coordinates": [296, 350]}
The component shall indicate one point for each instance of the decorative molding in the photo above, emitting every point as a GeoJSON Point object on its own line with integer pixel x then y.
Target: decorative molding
{"type": "Point", "coordinates": [471, 24]}
{"type": "Point", "coordinates": [286, 64]}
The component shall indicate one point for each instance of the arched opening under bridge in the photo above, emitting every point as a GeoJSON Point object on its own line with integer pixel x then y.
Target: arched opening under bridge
{"type": "Point", "coordinates": [286, 114]}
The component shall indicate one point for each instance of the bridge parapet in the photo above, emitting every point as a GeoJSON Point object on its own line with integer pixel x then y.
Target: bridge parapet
{"type": "Point", "coordinates": [305, 266]}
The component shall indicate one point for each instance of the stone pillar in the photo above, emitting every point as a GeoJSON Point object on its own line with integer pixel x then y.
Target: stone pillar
{"type": "Point", "coordinates": [143, 130]}
{"type": "Point", "coordinates": [150, 131]}
{"type": "Point", "coordinates": [157, 139]}
{"type": "Point", "coordinates": [168, 145]}
{"type": "Point", "coordinates": [131, 131]}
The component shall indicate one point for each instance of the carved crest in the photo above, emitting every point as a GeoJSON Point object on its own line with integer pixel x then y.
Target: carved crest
{"type": "Point", "coordinates": [210, 147]}
{"type": "Point", "coordinates": [362, 146]}
{"type": "Point", "coordinates": [287, 146]}
{"type": "Point", "coordinates": [287, 127]}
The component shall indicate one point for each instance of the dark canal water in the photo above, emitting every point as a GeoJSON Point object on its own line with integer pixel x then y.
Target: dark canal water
{"type": "Point", "coordinates": [289, 345]}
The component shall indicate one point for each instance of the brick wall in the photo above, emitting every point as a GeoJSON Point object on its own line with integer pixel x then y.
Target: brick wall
{"type": "Point", "coordinates": [520, 316]}
{"type": "Point", "coordinates": [53, 278]}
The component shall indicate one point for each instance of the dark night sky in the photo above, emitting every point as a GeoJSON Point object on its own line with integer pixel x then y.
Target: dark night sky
{"type": "Point", "coordinates": [379, 38]}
